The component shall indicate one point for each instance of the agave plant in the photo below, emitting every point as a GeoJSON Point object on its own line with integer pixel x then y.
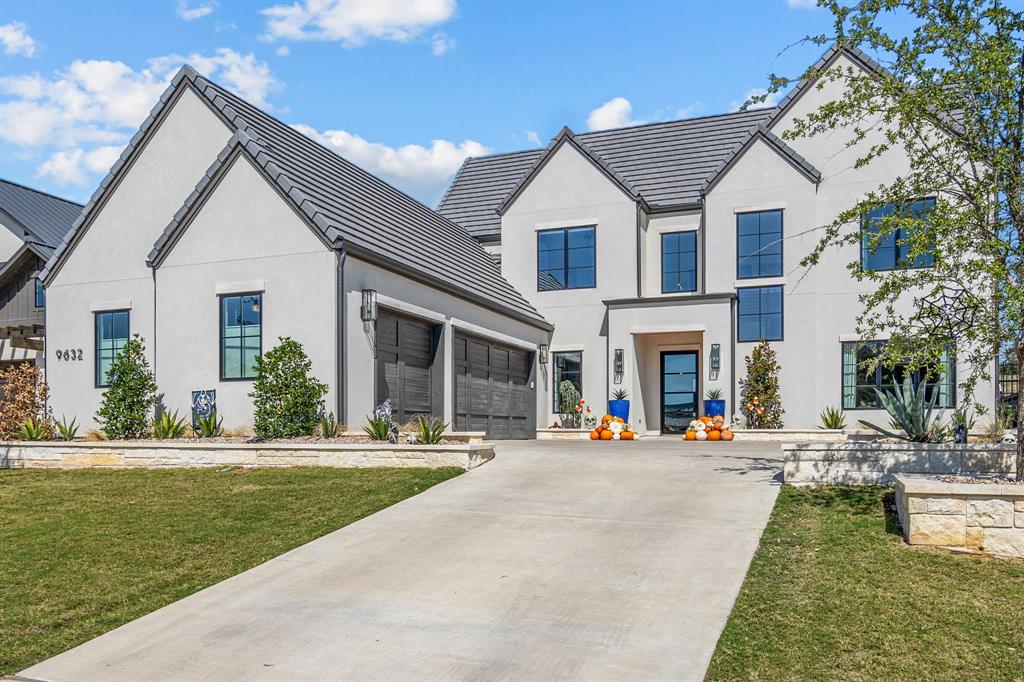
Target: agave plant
{"type": "Point", "coordinates": [832, 418]}
{"type": "Point", "coordinates": [620, 394]}
{"type": "Point", "coordinates": [381, 426]}
{"type": "Point", "coordinates": [714, 394]}
{"type": "Point", "coordinates": [912, 412]}
{"type": "Point", "coordinates": [430, 429]}
{"type": "Point", "coordinates": [65, 430]}
{"type": "Point", "coordinates": [210, 426]}
{"type": "Point", "coordinates": [169, 425]}
{"type": "Point", "coordinates": [329, 426]}
{"type": "Point", "coordinates": [33, 429]}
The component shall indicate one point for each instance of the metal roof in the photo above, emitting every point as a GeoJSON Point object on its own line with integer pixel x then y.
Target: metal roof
{"type": "Point", "coordinates": [354, 210]}
{"type": "Point", "coordinates": [45, 217]}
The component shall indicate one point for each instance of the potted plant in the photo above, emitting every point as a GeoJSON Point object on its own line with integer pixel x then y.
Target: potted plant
{"type": "Point", "coordinates": [714, 404]}
{"type": "Point", "coordinates": [618, 406]}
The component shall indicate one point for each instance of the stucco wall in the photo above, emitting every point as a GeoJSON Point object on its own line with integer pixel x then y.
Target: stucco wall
{"type": "Point", "coordinates": [569, 192]}
{"type": "Point", "coordinates": [244, 238]}
{"type": "Point", "coordinates": [109, 264]}
{"type": "Point", "coordinates": [655, 227]}
{"type": "Point", "coordinates": [10, 238]}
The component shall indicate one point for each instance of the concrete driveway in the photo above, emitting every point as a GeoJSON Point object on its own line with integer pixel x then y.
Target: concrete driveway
{"type": "Point", "coordinates": [557, 560]}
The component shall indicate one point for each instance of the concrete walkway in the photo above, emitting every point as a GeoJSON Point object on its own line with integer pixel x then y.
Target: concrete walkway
{"type": "Point", "coordinates": [557, 560]}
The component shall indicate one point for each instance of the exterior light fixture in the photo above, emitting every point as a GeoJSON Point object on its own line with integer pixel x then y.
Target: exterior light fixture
{"type": "Point", "coordinates": [619, 362]}
{"type": "Point", "coordinates": [716, 357]}
{"type": "Point", "coordinates": [542, 351]}
{"type": "Point", "coordinates": [368, 310]}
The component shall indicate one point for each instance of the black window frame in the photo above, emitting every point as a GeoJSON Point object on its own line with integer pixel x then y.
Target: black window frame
{"type": "Point", "coordinates": [556, 381]}
{"type": "Point", "coordinates": [97, 314]}
{"type": "Point", "coordinates": [781, 313]}
{"type": "Point", "coordinates": [220, 333]}
{"type": "Point", "coordinates": [897, 263]}
{"type": "Point", "coordinates": [565, 257]}
{"type": "Point", "coordinates": [782, 244]}
{"type": "Point", "coordinates": [916, 377]}
{"type": "Point", "coordinates": [677, 233]}
{"type": "Point", "coordinates": [40, 294]}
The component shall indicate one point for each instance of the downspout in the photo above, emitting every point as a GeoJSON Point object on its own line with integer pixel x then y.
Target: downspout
{"type": "Point", "coordinates": [732, 357]}
{"type": "Point", "coordinates": [703, 245]}
{"type": "Point", "coordinates": [639, 241]}
{"type": "Point", "coordinates": [152, 269]}
{"type": "Point", "coordinates": [340, 328]}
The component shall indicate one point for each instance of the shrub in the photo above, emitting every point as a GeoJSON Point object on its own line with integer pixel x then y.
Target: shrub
{"type": "Point", "coordinates": [568, 401]}
{"type": "Point", "coordinates": [761, 399]}
{"type": "Point", "coordinates": [287, 398]}
{"type": "Point", "coordinates": [24, 398]}
{"type": "Point", "coordinates": [124, 409]}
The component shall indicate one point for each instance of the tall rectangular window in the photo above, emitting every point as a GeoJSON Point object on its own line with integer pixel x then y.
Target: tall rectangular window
{"type": "Point", "coordinates": [759, 244]}
{"type": "Point", "coordinates": [241, 335]}
{"type": "Point", "coordinates": [860, 379]}
{"type": "Point", "coordinates": [567, 366]}
{"type": "Point", "coordinates": [566, 259]}
{"type": "Point", "coordinates": [759, 312]}
{"type": "Point", "coordinates": [891, 251]}
{"type": "Point", "coordinates": [678, 262]}
{"type": "Point", "coordinates": [40, 294]}
{"type": "Point", "coordinates": [112, 332]}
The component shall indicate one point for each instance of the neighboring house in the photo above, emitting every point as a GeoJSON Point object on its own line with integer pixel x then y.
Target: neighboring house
{"type": "Point", "coordinates": [32, 224]}
{"type": "Point", "coordinates": [221, 229]}
{"type": "Point", "coordinates": [663, 253]}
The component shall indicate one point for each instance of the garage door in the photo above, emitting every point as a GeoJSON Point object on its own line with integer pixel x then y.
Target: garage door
{"type": "Point", "coordinates": [493, 392]}
{"type": "Point", "coordinates": [406, 351]}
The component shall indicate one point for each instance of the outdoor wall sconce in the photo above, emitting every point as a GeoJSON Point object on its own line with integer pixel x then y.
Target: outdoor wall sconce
{"type": "Point", "coordinates": [619, 364]}
{"type": "Point", "coordinates": [368, 310]}
{"type": "Point", "coordinates": [542, 354]}
{"type": "Point", "coordinates": [716, 357]}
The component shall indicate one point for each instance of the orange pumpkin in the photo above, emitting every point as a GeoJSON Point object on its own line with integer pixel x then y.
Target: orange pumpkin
{"type": "Point", "coordinates": [714, 435]}
{"type": "Point", "coordinates": [607, 418]}
{"type": "Point", "coordinates": [691, 435]}
{"type": "Point", "coordinates": [727, 435]}
{"type": "Point", "coordinates": [594, 435]}
{"type": "Point", "coordinates": [626, 435]}
{"type": "Point", "coordinates": [606, 434]}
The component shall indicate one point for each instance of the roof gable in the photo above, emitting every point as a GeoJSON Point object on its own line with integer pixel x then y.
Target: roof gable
{"type": "Point", "coordinates": [45, 217]}
{"type": "Point", "coordinates": [799, 163]}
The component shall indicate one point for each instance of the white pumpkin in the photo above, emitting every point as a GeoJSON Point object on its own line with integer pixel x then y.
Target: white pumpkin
{"type": "Point", "coordinates": [702, 434]}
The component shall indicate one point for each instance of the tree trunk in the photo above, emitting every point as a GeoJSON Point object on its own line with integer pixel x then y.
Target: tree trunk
{"type": "Point", "coordinates": [1020, 414]}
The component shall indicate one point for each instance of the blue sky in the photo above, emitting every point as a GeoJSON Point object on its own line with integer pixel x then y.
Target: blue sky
{"type": "Point", "coordinates": [406, 90]}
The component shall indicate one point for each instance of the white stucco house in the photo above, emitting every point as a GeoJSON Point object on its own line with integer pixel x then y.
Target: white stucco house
{"type": "Point", "coordinates": [663, 253]}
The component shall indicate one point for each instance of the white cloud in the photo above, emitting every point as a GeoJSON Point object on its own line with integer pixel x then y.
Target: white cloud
{"type": "Point", "coordinates": [282, 51]}
{"type": "Point", "coordinates": [802, 4]}
{"type": "Point", "coordinates": [689, 110]}
{"type": "Point", "coordinates": [82, 116]}
{"type": "Point", "coordinates": [533, 138]}
{"type": "Point", "coordinates": [770, 101]}
{"type": "Point", "coordinates": [192, 11]}
{"type": "Point", "coordinates": [16, 40]}
{"type": "Point", "coordinates": [615, 113]}
{"type": "Point", "coordinates": [440, 43]}
{"type": "Point", "coordinates": [422, 172]}
{"type": "Point", "coordinates": [353, 22]}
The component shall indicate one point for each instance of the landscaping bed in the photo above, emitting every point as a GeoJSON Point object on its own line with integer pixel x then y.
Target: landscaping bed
{"type": "Point", "coordinates": [833, 593]}
{"type": "Point", "coordinates": [86, 551]}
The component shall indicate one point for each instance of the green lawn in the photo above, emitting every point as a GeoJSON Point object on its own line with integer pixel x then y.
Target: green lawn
{"type": "Point", "coordinates": [82, 552]}
{"type": "Point", "coordinates": [833, 593]}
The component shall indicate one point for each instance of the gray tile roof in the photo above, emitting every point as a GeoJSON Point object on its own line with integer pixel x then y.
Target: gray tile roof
{"type": "Point", "coordinates": [354, 210]}
{"type": "Point", "coordinates": [45, 217]}
{"type": "Point", "coordinates": [666, 163]}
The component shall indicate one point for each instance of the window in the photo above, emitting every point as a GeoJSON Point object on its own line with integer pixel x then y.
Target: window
{"type": "Point", "coordinates": [760, 313]}
{"type": "Point", "coordinates": [860, 382]}
{"type": "Point", "coordinates": [566, 259]}
{"type": "Point", "coordinates": [759, 244]}
{"type": "Point", "coordinates": [892, 251]}
{"type": "Point", "coordinates": [567, 367]}
{"type": "Point", "coordinates": [241, 338]}
{"type": "Point", "coordinates": [678, 262]}
{"type": "Point", "coordinates": [111, 335]}
{"type": "Point", "coordinates": [40, 294]}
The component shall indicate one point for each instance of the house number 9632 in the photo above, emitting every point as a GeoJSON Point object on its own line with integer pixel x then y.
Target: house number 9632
{"type": "Point", "coordinates": [69, 354]}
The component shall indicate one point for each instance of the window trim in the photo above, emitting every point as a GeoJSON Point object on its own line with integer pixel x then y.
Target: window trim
{"type": "Point", "coordinates": [39, 289]}
{"type": "Point", "coordinates": [554, 384]}
{"type": "Point", "coordinates": [896, 266]}
{"type": "Point", "coordinates": [782, 243]}
{"type": "Point", "coordinates": [696, 264]}
{"type": "Point", "coordinates": [96, 341]}
{"type": "Point", "coordinates": [220, 331]}
{"type": "Point", "coordinates": [782, 313]}
{"type": "Point", "coordinates": [565, 259]}
{"type": "Point", "coordinates": [842, 388]}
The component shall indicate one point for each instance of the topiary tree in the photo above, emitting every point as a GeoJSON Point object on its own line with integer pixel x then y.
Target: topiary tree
{"type": "Point", "coordinates": [22, 397]}
{"type": "Point", "coordinates": [760, 397]}
{"type": "Point", "coordinates": [125, 408]}
{"type": "Point", "coordinates": [287, 398]}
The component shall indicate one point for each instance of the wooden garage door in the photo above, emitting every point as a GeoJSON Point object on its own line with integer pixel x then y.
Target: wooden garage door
{"type": "Point", "coordinates": [493, 390]}
{"type": "Point", "coordinates": [406, 349]}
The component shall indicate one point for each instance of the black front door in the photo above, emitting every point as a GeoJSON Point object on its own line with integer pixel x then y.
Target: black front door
{"type": "Point", "coordinates": [678, 390]}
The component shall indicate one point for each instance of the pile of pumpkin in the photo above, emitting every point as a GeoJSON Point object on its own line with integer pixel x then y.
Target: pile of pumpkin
{"type": "Point", "coordinates": [709, 428]}
{"type": "Point", "coordinates": [613, 428]}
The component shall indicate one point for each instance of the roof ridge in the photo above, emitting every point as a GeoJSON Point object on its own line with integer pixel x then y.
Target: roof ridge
{"type": "Point", "coordinates": [679, 120]}
{"type": "Point", "coordinates": [39, 191]}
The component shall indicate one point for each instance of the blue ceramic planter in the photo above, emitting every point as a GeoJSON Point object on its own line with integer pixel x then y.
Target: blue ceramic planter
{"type": "Point", "coordinates": [714, 408]}
{"type": "Point", "coordinates": [619, 408]}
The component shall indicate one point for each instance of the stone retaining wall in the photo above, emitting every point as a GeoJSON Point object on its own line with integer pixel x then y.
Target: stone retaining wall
{"type": "Point", "coordinates": [156, 454]}
{"type": "Point", "coordinates": [878, 463]}
{"type": "Point", "coordinates": [988, 518]}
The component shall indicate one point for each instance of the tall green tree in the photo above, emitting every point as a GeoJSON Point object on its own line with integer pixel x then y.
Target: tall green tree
{"type": "Point", "coordinates": [760, 395]}
{"type": "Point", "coordinates": [950, 97]}
{"type": "Point", "coordinates": [131, 395]}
